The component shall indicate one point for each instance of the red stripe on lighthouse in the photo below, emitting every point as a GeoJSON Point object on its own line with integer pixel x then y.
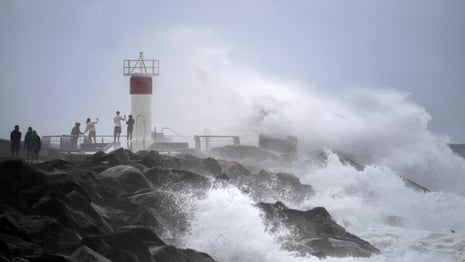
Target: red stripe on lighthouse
{"type": "Point", "coordinates": [141, 85]}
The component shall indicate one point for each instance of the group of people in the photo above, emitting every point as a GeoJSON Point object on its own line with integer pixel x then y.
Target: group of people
{"type": "Point", "coordinates": [90, 127]}
{"type": "Point", "coordinates": [117, 130]}
{"type": "Point", "coordinates": [32, 143]}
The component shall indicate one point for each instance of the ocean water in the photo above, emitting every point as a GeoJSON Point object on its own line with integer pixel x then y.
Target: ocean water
{"type": "Point", "coordinates": [375, 204]}
{"type": "Point", "coordinates": [381, 128]}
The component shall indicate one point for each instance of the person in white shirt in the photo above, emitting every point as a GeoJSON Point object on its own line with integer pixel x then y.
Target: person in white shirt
{"type": "Point", "coordinates": [117, 131]}
{"type": "Point", "coordinates": [92, 131]}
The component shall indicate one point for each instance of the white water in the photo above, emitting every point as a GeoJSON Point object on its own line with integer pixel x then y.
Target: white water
{"type": "Point", "coordinates": [361, 201]}
{"type": "Point", "coordinates": [381, 128]}
{"type": "Point", "coordinates": [227, 225]}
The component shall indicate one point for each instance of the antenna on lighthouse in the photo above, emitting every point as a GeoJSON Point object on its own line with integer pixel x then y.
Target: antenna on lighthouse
{"type": "Point", "coordinates": [141, 72]}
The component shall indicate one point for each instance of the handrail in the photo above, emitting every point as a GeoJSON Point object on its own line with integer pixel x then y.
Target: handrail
{"type": "Point", "coordinates": [167, 128]}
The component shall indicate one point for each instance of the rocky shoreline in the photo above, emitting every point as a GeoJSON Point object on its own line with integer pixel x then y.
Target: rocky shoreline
{"type": "Point", "coordinates": [126, 206]}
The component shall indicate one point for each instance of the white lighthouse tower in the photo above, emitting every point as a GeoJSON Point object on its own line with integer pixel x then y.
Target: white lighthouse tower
{"type": "Point", "coordinates": [141, 72]}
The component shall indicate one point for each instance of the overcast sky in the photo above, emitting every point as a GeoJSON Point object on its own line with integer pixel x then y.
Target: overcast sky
{"type": "Point", "coordinates": [61, 61]}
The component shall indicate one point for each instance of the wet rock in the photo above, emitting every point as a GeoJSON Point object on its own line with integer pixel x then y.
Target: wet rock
{"type": "Point", "coordinates": [314, 232]}
{"type": "Point", "coordinates": [233, 170]}
{"type": "Point", "coordinates": [170, 253]}
{"type": "Point", "coordinates": [45, 231]}
{"type": "Point", "coordinates": [116, 157]}
{"type": "Point", "coordinates": [125, 178]}
{"type": "Point", "coordinates": [53, 258]}
{"type": "Point", "coordinates": [55, 208]}
{"type": "Point", "coordinates": [248, 156]}
{"type": "Point", "coordinates": [84, 253]}
{"type": "Point", "coordinates": [16, 179]}
{"type": "Point", "coordinates": [202, 166]}
{"type": "Point", "coordinates": [136, 207]}
{"type": "Point", "coordinates": [177, 180]}
{"type": "Point", "coordinates": [169, 214]}
{"type": "Point", "coordinates": [414, 185]}
{"type": "Point", "coordinates": [267, 186]}
{"type": "Point", "coordinates": [125, 240]}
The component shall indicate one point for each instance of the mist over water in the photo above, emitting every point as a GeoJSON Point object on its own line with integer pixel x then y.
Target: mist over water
{"type": "Point", "coordinates": [381, 128]}
{"type": "Point", "coordinates": [375, 126]}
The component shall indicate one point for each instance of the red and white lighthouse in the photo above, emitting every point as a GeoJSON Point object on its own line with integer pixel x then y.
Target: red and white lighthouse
{"type": "Point", "coordinates": [141, 72]}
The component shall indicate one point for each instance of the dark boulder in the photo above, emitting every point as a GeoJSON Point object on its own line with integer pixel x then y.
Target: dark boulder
{"type": "Point", "coordinates": [177, 180]}
{"type": "Point", "coordinates": [234, 170]}
{"type": "Point", "coordinates": [414, 185]}
{"type": "Point", "coordinates": [125, 178]}
{"type": "Point", "coordinates": [170, 253]}
{"type": "Point", "coordinates": [84, 253]}
{"type": "Point", "coordinates": [53, 207]}
{"type": "Point", "coordinates": [268, 186]}
{"type": "Point", "coordinates": [203, 166]}
{"type": "Point", "coordinates": [16, 179]}
{"type": "Point", "coordinates": [127, 241]}
{"type": "Point", "coordinates": [314, 232]}
{"type": "Point", "coordinates": [53, 258]}
{"type": "Point", "coordinates": [251, 156]}
{"type": "Point", "coordinates": [47, 232]}
{"type": "Point", "coordinates": [166, 207]}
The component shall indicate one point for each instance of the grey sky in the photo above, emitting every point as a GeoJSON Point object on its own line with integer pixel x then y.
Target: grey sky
{"type": "Point", "coordinates": [61, 60]}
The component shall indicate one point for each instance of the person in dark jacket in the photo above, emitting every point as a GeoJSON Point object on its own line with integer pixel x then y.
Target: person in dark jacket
{"type": "Point", "coordinates": [130, 124]}
{"type": "Point", "coordinates": [37, 145]}
{"type": "Point", "coordinates": [15, 141]}
{"type": "Point", "coordinates": [75, 132]}
{"type": "Point", "coordinates": [30, 142]}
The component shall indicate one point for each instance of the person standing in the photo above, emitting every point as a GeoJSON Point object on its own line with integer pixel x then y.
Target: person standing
{"type": "Point", "coordinates": [117, 121]}
{"type": "Point", "coordinates": [15, 141]}
{"type": "Point", "coordinates": [92, 131]}
{"type": "Point", "coordinates": [130, 124]}
{"type": "Point", "coordinates": [75, 132]}
{"type": "Point", "coordinates": [37, 145]}
{"type": "Point", "coordinates": [29, 143]}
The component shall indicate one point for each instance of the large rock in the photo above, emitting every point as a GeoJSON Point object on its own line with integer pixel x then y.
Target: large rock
{"type": "Point", "coordinates": [126, 241]}
{"type": "Point", "coordinates": [266, 186]}
{"type": "Point", "coordinates": [46, 232]}
{"type": "Point", "coordinates": [202, 166]}
{"type": "Point", "coordinates": [136, 207]}
{"type": "Point", "coordinates": [314, 232]}
{"type": "Point", "coordinates": [16, 180]}
{"type": "Point", "coordinates": [126, 178]}
{"type": "Point", "coordinates": [84, 253]}
{"type": "Point", "coordinates": [170, 253]}
{"type": "Point", "coordinates": [166, 208]}
{"type": "Point", "coordinates": [177, 180]}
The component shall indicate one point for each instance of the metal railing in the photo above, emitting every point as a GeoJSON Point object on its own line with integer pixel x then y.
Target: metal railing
{"type": "Point", "coordinates": [140, 67]}
{"type": "Point", "coordinates": [82, 143]}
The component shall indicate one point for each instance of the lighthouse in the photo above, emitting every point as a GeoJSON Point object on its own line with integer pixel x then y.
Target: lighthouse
{"type": "Point", "coordinates": [141, 72]}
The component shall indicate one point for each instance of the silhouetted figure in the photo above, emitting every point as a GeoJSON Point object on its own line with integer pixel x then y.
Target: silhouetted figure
{"type": "Point", "coordinates": [130, 124]}
{"type": "Point", "coordinates": [37, 145]}
{"type": "Point", "coordinates": [117, 121]}
{"type": "Point", "coordinates": [92, 131]}
{"type": "Point", "coordinates": [31, 144]}
{"type": "Point", "coordinates": [15, 141]}
{"type": "Point", "coordinates": [75, 132]}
